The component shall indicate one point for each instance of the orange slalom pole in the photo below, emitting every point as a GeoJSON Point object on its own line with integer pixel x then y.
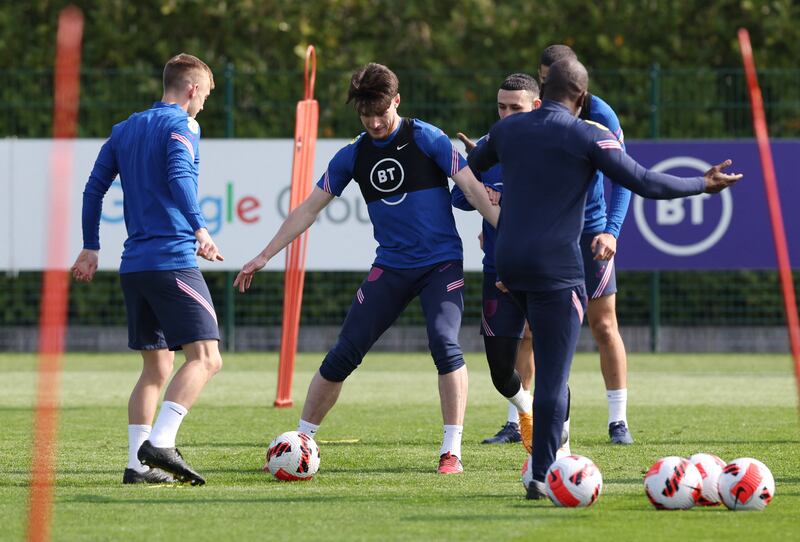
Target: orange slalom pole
{"type": "Point", "coordinates": [55, 288]}
{"type": "Point", "coordinates": [305, 139]}
{"type": "Point", "coordinates": [773, 200]}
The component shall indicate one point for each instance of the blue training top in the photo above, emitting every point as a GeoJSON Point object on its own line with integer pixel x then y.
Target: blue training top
{"type": "Point", "coordinates": [549, 158]}
{"type": "Point", "coordinates": [596, 219]}
{"type": "Point", "coordinates": [404, 182]}
{"type": "Point", "coordinates": [155, 153]}
{"type": "Point", "coordinates": [492, 178]}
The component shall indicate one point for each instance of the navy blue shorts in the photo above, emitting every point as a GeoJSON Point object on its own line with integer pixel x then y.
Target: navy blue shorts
{"type": "Point", "coordinates": [167, 309]}
{"type": "Point", "coordinates": [383, 296]}
{"type": "Point", "coordinates": [502, 315]}
{"type": "Point", "coordinates": [601, 277]}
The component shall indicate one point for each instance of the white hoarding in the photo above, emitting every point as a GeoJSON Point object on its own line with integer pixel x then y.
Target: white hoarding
{"type": "Point", "coordinates": [244, 196]}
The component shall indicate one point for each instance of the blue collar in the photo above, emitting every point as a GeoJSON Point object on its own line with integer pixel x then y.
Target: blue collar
{"type": "Point", "coordinates": [174, 106]}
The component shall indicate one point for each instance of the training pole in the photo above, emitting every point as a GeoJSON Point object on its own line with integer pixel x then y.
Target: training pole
{"type": "Point", "coordinates": [773, 201]}
{"type": "Point", "coordinates": [55, 286]}
{"type": "Point", "coordinates": [305, 141]}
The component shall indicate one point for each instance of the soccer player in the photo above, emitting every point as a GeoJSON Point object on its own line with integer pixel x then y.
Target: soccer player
{"type": "Point", "coordinates": [155, 153]}
{"type": "Point", "coordinates": [502, 320]}
{"type": "Point", "coordinates": [598, 245]}
{"type": "Point", "coordinates": [401, 166]}
{"type": "Point", "coordinates": [549, 158]}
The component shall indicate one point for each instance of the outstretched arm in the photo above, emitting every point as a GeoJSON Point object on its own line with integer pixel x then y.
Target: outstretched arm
{"type": "Point", "coordinates": [295, 224]}
{"type": "Point", "coordinates": [624, 170]}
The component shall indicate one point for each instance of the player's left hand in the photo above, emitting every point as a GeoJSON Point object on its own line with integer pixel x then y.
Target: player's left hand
{"type": "Point", "coordinates": [245, 276]}
{"type": "Point", "coordinates": [85, 266]}
{"type": "Point", "coordinates": [500, 286]}
{"type": "Point", "coordinates": [717, 181]}
{"type": "Point", "coordinates": [604, 246]}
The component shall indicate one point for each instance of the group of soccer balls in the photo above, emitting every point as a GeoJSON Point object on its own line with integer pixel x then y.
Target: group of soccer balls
{"type": "Point", "coordinates": [677, 483]}
{"type": "Point", "coordinates": [672, 483]}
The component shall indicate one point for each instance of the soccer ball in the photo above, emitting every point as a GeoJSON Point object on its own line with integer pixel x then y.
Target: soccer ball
{"type": "Point", "coordinates": [292, 456]}
{"type": "Point", "coordinates": [746, 484]}
{"type": "Point", "coordinates": [710, 467]}
{"type": "Point", "coordinates": [527, 473]}
{"type": "Point", "coordinates": [673, 483]}
{"type": "Point", "coordinates": [573, 481]}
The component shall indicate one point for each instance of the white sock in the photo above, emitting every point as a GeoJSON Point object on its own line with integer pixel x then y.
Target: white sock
{"type": "Point", "coordinates": [617, 405]}
{"type": "Point", "coordinates": [137, 434]}
{"type": "Point", "coordinates": [513, 413]}
{"type": "Point", "coordinates": [308, 428]}
{"type": "Point", "coordinates": [523, 400]}
{"type": "Point", "coordinates": [167, 424]}
{"type": "Point", "coordinates": [452, 440]}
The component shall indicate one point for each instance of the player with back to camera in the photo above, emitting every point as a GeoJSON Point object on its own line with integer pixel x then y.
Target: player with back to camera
{"type": "Point", "coordinates": [169, 307]}
{"type": "Point", "coordinates": [549, 159]}
{"type": "Point", "coordinates": [506, 336]}
{"type": "Point", "coordinates": [598, 246]}
{"type": "Point", "coordinates": [401, 166]}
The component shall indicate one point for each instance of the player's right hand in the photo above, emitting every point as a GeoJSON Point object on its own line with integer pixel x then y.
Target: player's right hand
{"type": "Point", "coordinates": [245, 276]}
{"type": "Point", "coordinates": [494, 195]}
{"type": "Point", "coordinates": [85, 266]}
{"type": "Point", "coordinates": [206, 248]}
{"type": "Point", "coordinates": [468, 143]}
{"type": "Point", "coordinates": [717, 181]}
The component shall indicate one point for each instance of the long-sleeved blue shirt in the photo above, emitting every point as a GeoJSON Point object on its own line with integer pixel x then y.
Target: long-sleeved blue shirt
{"type": "Point", "coordinates": [549, 157]}
{"type": "Point", "coordinates": [597, 219]}
{"type": "Point", "coordinates": [493, 178]}
{"type": "Point", "coordinates": [155, 153]}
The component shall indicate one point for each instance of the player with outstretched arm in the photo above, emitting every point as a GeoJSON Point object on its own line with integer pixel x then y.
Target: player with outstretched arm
{"type": "Point", "coordinates": [549, 158]}
{"type": "Point", "coordinates": [401, 166]}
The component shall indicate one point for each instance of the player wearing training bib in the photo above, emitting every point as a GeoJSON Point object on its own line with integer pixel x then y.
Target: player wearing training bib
{"type": "Point", "coordinates": [156, 155]}
{"type": "Point", "coordinates": [401, 167]}
{"type": "Point", "coordinates": [549, 158]}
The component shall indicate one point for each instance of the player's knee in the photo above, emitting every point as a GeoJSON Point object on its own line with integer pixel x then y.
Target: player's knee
{"type": "Point", "coordinates": [157, 371]}
{"type": "Point", "coordinates": [448, 364]}
{"type": "Point", "coordinates": [342, 360]}
{"type": "Point", "coordinates": [212, 362]}
{"type": "Point", "coordinates": [507, 383]}
{"type": "Point", "coordinates": [605, 329]}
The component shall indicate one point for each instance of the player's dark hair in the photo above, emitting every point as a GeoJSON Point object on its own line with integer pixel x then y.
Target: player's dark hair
{"type": "Point", "coordinates": [185, 69]}
{"type": "Point", "coordinates": [566, 81]}
{"type": "Point", "coordinates": [521, 81]}
{"type": "Point", "coordinates": [554, 53]}
{"type": "Point", "coordinates": [372, 89]}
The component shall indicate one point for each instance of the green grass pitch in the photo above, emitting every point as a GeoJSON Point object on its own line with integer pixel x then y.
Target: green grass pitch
{"type": "Point", "coordinates": [384, 486]}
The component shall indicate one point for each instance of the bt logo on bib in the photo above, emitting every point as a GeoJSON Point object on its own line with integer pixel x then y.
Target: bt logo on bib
{"type": "Point", "coordinates": [387, 176]}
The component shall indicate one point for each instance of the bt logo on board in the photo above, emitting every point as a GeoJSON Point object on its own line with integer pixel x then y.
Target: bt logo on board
{"type": "Point", "coordinates": [684, 226]}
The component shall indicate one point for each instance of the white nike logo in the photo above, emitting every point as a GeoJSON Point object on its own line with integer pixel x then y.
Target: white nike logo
{"type": "Point", "coordinates": [401, 146]}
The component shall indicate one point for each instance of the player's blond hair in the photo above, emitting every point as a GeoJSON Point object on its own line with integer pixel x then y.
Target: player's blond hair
{"type": "Point", "coordinates": [184, 69]}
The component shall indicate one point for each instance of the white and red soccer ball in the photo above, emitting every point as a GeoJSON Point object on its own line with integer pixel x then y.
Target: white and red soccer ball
{"type": "Point", "coordinates": [673, 483]}
{"type": "Point", "coordinates": [292, 456]}
{"type": "Point", "coordinates": [710, 467]}
{"type": "Point", "coordinates": [573, 481]}
{"type": "Point", "coordinates": [746, 484]}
